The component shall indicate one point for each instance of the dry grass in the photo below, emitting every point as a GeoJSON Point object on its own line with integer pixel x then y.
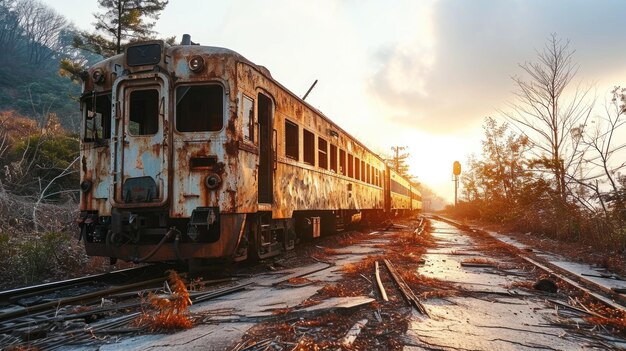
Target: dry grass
{"type": "Point", "coordinates": [281, 311]}
{"type": "Point", "coordinates": [338, 291]}
{"type": "Point", "coordinates": [330, 251]}
{"type": "Point", "coordinates": [171, 312]}
{"type": "Point", "coordinates": [365, 266]}
{"type": "Point", "coordinates": [298, 281]}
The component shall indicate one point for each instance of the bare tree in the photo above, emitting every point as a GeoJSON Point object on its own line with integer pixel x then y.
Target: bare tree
{"type": "Point", "coordinates": [600, 173]}
{"type": "Point", "coordinates": [42, 28]}
{"type": "Point", "coordinates": [10, 29]}
{"type": "Point", "coordinates": [548, 113]}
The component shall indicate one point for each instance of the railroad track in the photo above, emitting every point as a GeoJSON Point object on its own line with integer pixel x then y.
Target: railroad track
{"type": "Point", "coordinates": [607, 296]}
{"type": "Point", "coordinates": [99, 305]}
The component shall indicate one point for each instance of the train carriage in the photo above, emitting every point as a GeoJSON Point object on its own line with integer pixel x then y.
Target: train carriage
{"type": "Point", "coordinates": [195, 152]}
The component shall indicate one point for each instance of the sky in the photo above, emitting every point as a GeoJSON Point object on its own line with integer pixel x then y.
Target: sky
{"type": "Point", "coordinates": [420, 74]}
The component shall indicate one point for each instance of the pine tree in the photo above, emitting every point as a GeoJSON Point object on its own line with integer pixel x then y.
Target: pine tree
{"type": "Point", "coordinates": [123, 21]}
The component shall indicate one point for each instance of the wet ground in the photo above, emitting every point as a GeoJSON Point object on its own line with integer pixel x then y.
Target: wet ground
{"type": "Point", "coordinates": [490, 313]}
{"type": "Point", "coordinates": [477, 293]}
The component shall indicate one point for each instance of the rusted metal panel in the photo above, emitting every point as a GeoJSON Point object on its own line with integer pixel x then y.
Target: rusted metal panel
{"type": "Point", "coordinates": [299, 186]}
{"type": "Point", "coordinates": [398, 200]}
{"type": "Point", "coordinates": [94, 167]}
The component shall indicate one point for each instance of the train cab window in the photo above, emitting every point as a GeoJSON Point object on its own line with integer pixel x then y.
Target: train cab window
{"type": "Point", "coordinates": [248, 118]}
{"type": "Point", "coordinates": [357, 168]}
{"type": "Point", "coordinates": [342, 162]}
{"type": "Point", "coordinates": [308, 143]}
{"type": "Point", "coordinates": [144, 112]}
{"type": "Point", "coordinates": [322, 153]}
{"type": "Point", "coordinates": [97, 115]}
{"type": "Point", "coordinates": [350, 167]}
{"type": "Point", "coordinates": [333, 158]}
{"type": "Point", "coordinates": [199, 108]}
{"type": "Point", "coordinates": [291, 140]}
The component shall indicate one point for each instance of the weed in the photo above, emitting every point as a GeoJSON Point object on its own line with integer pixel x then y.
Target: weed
{"type": "Point", "coordinates": [170, 313]}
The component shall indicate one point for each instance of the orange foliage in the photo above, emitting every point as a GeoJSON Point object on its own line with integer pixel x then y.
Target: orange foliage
{"type": "Point", "coordinates": [16, 126]}
{"type": "Point", "coordinates": [329, 251]}
{"type": "Point", "coordinates": [298, 280]}
{"type": "Point", "coordinates": [170, 312]}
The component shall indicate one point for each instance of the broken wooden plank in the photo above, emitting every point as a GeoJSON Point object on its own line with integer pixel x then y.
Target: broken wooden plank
{"type": "Point", "coordinates": [353, 333]}
{"type": "Point", "coordinates": [335, 303]}
{"type": "Point", "coordinates": [579, 310]}
{"type": "Point", "coordinates": [380, 283]}
{"type": "Point", "coordinates": [406, 291]}
{"type": "Point", "coordinates": [477, 265]}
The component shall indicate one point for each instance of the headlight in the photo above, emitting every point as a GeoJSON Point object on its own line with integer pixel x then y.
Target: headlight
{"type": "Point", "coordinates": [196, 64]}
{"type": "Point", "coordinates": [98, 76]}
{"type": "Point", "coordinates": [213, 181]}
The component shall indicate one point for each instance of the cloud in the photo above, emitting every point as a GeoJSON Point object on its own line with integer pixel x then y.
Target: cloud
{"type": "Point", "coordinates": [462, 73]}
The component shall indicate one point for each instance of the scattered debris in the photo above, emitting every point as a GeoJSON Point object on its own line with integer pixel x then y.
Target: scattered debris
{"type": "Point", "coordinates": [339, 303]}
{"type": "Point", "coordinates": [547, 285]}
{"type": "Point", "coordinates": [353, 333]}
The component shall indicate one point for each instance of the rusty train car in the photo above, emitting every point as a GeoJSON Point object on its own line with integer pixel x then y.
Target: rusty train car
{"type": "Point", "coordinates": [194, 152]}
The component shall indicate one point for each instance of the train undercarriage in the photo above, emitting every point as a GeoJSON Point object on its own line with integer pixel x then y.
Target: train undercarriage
{"type": "Point", "coordinates": [148, 236]}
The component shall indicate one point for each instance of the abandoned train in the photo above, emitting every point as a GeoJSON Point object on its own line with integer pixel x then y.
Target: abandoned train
{"type": "Point", "coordinates": [192, 152]}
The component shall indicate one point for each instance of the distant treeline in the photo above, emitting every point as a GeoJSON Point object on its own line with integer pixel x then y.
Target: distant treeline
{"type": "Point", "coordinates": [33, 39]}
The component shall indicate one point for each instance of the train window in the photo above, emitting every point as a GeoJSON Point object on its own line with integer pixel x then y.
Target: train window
{"type": "Point", "coordinates": [373, 173]}
{"type": "Point", "coordinates": [308, 142]}
{"type": "Point", "coordinates": [199, 108]}
{"type": "Point", "coordinates": [362, 170]}
{"type": "Point", "coordinates": [322, 153]}
{"type": "Point", "coordinates": [291, 140]}
{"type": "Point", "coordinates": [97, 117]}
{"type": "Point", "coordinates": [333, 158]}
{"type": "Point", "coordinates": [350, 167]}
{"type": "Point", "coordinates": [357, 168]}
{"type": "Point", "coordinates": [144, 112]}
{"type": "Point", "coordinates": [342, 162]}
{"type": "Point", "coordinates": [248, 118]}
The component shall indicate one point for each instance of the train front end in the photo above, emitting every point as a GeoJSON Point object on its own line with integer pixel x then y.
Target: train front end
{"type": "Point", "coordinates": [159, 155]}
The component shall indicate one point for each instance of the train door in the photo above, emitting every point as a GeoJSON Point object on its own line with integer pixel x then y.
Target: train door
{"type": "Point", "coordinates": [140, 154]}
{"type": "Point", "coordinates": [387, 188]}
{"type": "Point", "coordinates": [265, 110]}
